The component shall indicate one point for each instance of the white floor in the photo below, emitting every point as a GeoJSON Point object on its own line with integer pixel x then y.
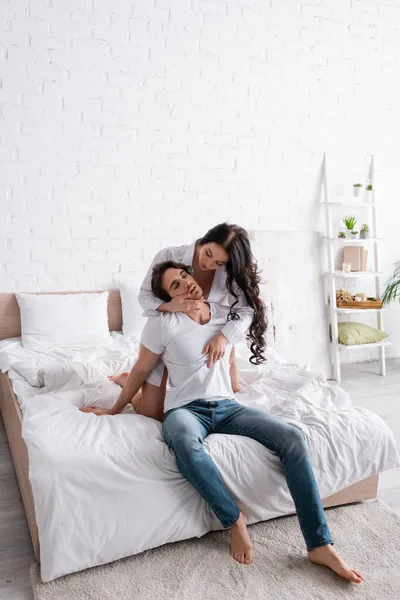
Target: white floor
{"type": "Point", "coordinates": [381, 395]}
{"type": "Point", "coordinates": [366, 386]}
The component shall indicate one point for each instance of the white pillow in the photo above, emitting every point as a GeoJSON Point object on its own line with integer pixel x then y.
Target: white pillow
{"type": "Point", "coordinates": [63, 320]}
{"type": "Point", "coordinates": [132, 319]}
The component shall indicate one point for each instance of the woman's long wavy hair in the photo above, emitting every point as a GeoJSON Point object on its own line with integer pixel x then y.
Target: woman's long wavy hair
{"type": "Point", "coordinates": [242, 272]}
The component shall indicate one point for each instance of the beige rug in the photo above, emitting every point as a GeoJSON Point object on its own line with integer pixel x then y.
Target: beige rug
{"type": "Point", "coordinates": [368, 535]}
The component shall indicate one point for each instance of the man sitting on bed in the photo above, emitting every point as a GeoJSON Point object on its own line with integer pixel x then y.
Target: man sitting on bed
{"type": "Point", "coordinates": [200, 401]}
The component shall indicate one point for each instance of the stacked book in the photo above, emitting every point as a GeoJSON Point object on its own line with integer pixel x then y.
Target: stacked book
{"type": "Point", "coordinates": [356, 256]}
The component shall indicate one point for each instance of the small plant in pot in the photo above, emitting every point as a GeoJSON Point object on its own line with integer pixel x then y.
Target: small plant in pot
{"type": "Point", "coordinates": [354, 235]}
{"type": "Point", "coordinates": [364, 232]}
{"type": "Point", "coordinates": [369, 187]}
{"type": "Point", "coordinates": [342, 235]}
{"type": "Point", "coordinates": [350, 222]}
{"type": "Point", "coordinates": [356, 189]}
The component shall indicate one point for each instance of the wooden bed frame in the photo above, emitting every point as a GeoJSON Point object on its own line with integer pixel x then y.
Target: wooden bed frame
{"type": "Point", "coordinates": [10, 326]}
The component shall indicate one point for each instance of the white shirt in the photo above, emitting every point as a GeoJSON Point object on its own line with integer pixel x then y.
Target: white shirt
{"type": "Point", "coordinates": [234, 331]}
{"type": "Point", "coordinates": [180, 341]}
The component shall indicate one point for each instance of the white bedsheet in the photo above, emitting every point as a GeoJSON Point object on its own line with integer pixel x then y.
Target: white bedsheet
{"type": "Point", "coordinates": [106, 488]}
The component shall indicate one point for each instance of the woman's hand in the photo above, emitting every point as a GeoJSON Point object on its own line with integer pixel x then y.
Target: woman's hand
{"type": "Point", "coordinates": [96, 410]}
{"type": "Point", "coordinates": [215, 348]}
{"type": "Point", "coordinates": [182, 303]}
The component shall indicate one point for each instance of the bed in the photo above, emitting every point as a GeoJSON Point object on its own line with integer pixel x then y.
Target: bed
{"type": "Point", "coordinates": [96, 490]}
{"type": "Point", "coordinates": [10, 327]}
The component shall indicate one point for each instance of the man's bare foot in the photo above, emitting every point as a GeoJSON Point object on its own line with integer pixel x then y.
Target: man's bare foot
{"type": "Point", "coordinates": [241, 548]}
{"type": "Point", "coordinates": [119, 379]}
{"type": "Point", "coordinates": [327, 556]}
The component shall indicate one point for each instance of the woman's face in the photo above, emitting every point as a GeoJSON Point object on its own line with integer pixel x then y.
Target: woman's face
{"type": "Point", "coordinates": [212, 256]}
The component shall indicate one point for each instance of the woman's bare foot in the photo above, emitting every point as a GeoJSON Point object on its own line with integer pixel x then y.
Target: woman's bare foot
{"type": "Point", "coordinates": [241, 548]}
{"type": "Point", "coordinates": [119, 379]}
{"type": "Point", "coordinates": [327, 556]}
{"type": "Point", "coordinates": [235, 385]}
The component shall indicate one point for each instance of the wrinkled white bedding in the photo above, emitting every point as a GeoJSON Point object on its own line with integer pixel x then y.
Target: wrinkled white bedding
{"type": "Point", "coordinates": [108, 487]}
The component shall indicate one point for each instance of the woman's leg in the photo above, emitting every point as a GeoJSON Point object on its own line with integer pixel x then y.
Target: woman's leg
{"type": "Point", "coordinates": [288, 443]}
{"type": "Point", "coordinates": [233, 371]}
{"type": "Point", "coordinates": [119, 379]}
{"type": "Point", "coordinates": [149, 401]}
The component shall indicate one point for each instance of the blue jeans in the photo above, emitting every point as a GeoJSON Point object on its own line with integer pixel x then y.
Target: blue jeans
{"type": "Point", "coordinates": [185, 428]}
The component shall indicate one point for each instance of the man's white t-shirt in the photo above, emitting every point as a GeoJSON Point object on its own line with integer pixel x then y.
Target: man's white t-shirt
{"type": "Point", "coordinates": [181, 340]}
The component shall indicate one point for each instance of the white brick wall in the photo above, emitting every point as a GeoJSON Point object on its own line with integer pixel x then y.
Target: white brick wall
{"type": "Point", "coordinates": [129, 125]}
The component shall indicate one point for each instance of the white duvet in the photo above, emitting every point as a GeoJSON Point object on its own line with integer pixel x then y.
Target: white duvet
{"type": "Point", "coordinates": [108, 487]}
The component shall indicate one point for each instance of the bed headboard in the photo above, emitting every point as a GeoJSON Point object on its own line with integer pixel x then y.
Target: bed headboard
{"type": "Point", "coordinates": [10, 320]}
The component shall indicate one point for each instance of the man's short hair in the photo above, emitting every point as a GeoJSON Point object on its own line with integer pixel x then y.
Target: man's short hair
{"type": "Point", "coordinates": [158, 274]}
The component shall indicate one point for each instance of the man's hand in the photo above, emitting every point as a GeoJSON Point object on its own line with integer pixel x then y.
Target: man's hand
{"type": "Point", "coordinates": [95, 410]}
{"type": "Point", "coordinates": [183, 303]}
{"type": "Point", "coordinates": [215, 348]}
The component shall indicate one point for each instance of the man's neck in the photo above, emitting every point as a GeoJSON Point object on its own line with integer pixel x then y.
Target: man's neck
{"type": "Point", "coordinates": [202, 315]}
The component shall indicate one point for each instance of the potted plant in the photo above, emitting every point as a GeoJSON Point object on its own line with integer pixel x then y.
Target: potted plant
{"type": "Point", "coordinates": [356, 189]}
{"type": "Point", "coordinates": [392, 290]}
{"type": "Point", "coordinates": [364, 232]}
{"type": "Point", "coordinates": [369, 187]}
{"type": "Point", "coordinates": [350, 222]}
{"type": "Point", "coordinates": [354, 235]}
{"type": "Point", "coordinates": [342, 235]}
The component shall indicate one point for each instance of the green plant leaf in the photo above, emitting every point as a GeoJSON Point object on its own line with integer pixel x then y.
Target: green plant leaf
{"type": "Point", "coordinates": [350, 221]}
{"type": "Point", "coordinates": [392, 290]}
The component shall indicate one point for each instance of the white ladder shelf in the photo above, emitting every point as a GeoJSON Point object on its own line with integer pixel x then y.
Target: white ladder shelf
{"type": "Point", "coordinates": [331, 275]}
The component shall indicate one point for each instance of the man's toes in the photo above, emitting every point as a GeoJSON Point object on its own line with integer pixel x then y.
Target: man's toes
{"type": "Point", "coordinates": [239, 558]}
{"type": "Point", "coordinates": [351, 575]}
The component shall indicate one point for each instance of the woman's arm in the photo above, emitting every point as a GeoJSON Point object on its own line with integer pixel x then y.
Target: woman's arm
{"type": "Point", "coordinates": [153, 306]}
{"type": "Point", "coordinates": [236, 331]}
{"type": "Point", "coordinates": [147, 299]}
{"type": "Point", "coordinates": [233, 332]}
